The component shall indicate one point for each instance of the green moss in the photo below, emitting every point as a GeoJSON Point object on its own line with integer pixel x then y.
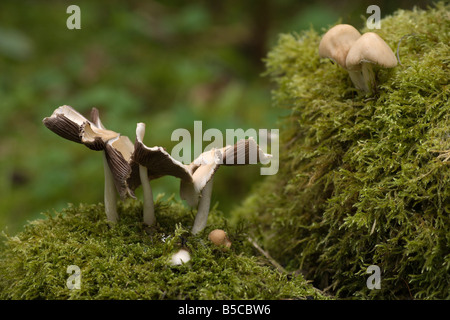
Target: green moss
{"type": "Point", "coordinates": [127, 261]}
{"type": "Point", "coordinates": [360, 181]}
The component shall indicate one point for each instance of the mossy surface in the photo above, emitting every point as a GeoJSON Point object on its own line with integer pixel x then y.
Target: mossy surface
{"type": "Point", "coordinates": [360, 181]}
{"type": "Point", "coordinates": [128, 261]}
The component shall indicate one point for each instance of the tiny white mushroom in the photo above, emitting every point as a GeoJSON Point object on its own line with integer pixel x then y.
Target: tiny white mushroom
{"type": "Point", "coordinates": [180, 257]}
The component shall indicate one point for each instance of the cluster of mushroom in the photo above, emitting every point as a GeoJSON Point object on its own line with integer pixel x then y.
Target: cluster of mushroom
{"type": "Point", "coordinates": [128, 165]}
{"type": "Point", "coordinates": [357, 54]}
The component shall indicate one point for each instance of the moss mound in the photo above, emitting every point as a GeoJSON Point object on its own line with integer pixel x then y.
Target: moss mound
{"type": "Point", "coordinates": [361, 182]}
{"type": "Point", "coordinates": [127, 261]}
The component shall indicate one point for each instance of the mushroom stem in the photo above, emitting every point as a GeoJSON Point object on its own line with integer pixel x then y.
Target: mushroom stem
{"type": "Point", "coordinates": [203, 208]}
{"type": "Point", "coordinates": [358, 80]}
{"type": "Point", "coordinates": [369, 76]}
{"type": "Point", "coordinates": [110, 193]}
{"type": "Point", "coordinates": [149, 208]}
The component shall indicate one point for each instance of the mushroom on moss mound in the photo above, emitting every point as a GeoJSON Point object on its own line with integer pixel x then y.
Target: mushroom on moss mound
{"type": "Point", "coordinates": [129, 261]}
{"type": "Point", "coordinates": [361, 182]}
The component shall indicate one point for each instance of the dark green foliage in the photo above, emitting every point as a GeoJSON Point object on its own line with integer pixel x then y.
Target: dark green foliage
{"type": "Point", "coordinates": [127, 261]}
{"type": "Point", "coordinates": [360, 181]}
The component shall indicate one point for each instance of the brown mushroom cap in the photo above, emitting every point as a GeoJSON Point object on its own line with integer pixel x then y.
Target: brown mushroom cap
{"type": "Point", "coordinates": [336, 43]}
{"type": "Point", "coordinates": [219, 238]}
{"type": "Point", "coordinates": [370, 48]}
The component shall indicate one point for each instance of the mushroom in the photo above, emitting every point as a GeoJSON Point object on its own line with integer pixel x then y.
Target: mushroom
{"type": "Point", "coordinates": [154, 163]}
{"type": "Point", "coordinates": [66, 122]}
{"type": "Point", "coordinates": [369, 50]}
{"type": "Point", "coordinates": [70, 124]}
{"type": "Point", "coordinates": [335, 45]}
{"type": "Point", "coordinates": [180, 257]}
{"type": "Point", "coordinates": [197, 192]}
{"type": "Point", "coordinates": [149, 208]}
{"type": "Point", "coordinates": [219, 238]}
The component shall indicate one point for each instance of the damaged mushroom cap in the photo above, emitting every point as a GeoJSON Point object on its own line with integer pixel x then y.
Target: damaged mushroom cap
{"type": "Point", "coordinates": [158, 162]}
{"type": "Point", "coordinates": [118, 152]}
{"type": "Point", "coordinates": [95, 138]}
{"type": "Point", "coordinates": [203, 168]}
{"type": "Point", "coordinates": [336, 43]}
{"type": "Point", "coordinates": [125, 171]}
{"type": "Point", "coordinates": [370, 48]}
{"type": "Point", "coordinates": [68, 123]}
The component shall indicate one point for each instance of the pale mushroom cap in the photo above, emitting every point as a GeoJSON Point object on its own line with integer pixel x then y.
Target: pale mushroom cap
{"type": "Point", "coordinates": [371, 48]}
{"type": "Point", "coordinates": [219, 238]}
{"type": "Point", "coordinates": [182, 256]}
{"type": "Point", "coordinates": [336, 43]}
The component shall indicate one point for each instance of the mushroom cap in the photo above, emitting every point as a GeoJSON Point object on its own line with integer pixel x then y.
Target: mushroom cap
{"type": "Point", "coordinates": [203, 168]}
{"type": "Point", "coordinates": [179, 258]}
{"type": "Point", "coordinates": [371, 48]}
{"type": "Point", "coordinates": [219, 238]}
{"type": "Point", "coordinates": [118, 153]}
{"type": "Point", "coordinates": [94, 137]}
{"type": "Point", "coordinates": [157, 160]}
{"type": "Point", "coordinates": [336, 43]}
{"type": "Point", "coordinates": [66, 122]}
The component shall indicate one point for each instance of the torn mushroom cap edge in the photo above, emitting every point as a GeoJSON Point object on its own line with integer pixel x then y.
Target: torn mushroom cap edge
{"type": "Point", "coordinates": [66, 122]}
{"type": "Point", "coordinates": [125, 171]}
{"type": "Point", "coordinates": [160, 163]}
{"type": "Point", "coordinates": [244, 152]}
{"type": "Point", "coordinates": [204, 167]}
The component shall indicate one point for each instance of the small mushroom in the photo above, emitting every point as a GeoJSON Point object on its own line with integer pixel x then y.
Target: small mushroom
{"type": "Point", "coordinates": [180, 257]}
{"type": "Point", "coordinates": [154, 163]}
{"type": "Point", "coordinates": [219, 238]}
{"type": "Point", "coordinates": [197, 192]}
{"type": "Point", "coordinates": [369, 50]}
{"type": "Point", "coordinates": [70, 124]}
{"type": "Point", "coordinates": [149, 208]}
{"type": "Point", "coordinates": [335, 45]}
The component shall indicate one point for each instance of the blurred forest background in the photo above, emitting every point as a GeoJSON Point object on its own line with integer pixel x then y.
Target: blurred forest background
{"type": "Point", "coordinates": [165, 63]}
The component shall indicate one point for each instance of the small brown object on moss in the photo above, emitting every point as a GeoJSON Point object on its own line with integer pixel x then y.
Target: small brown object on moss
{"type": "Point", "coordinates": [219, 238]}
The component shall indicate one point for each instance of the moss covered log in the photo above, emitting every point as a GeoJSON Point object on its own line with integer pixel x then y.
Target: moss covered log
{"type": "Point", "coordinates": [363, 180]}
{"type": "Point", "coordinates": [128, 261]}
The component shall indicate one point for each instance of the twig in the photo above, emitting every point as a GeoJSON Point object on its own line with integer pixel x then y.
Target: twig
{"type": "Point", "coordinates": [398, 46]}
{"type": "Point", "coordinates": [278, 266]}
{"type": "Point", "coordinates": [409, 290]}
{"type": "Point", "coordinates": [267, 255]}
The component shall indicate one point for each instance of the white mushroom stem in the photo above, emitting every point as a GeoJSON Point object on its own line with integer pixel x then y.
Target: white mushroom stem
{"type": "Point", "coordinates": [358, 80]}
{"type": "Point", "coordinates": [149, 208]}
{"type": "Point", "coordinates": [110, 193]}
{"type": "Point", "coordinates": [203, 208]}
{"type": "Point", "coordinates": [369, 76]}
